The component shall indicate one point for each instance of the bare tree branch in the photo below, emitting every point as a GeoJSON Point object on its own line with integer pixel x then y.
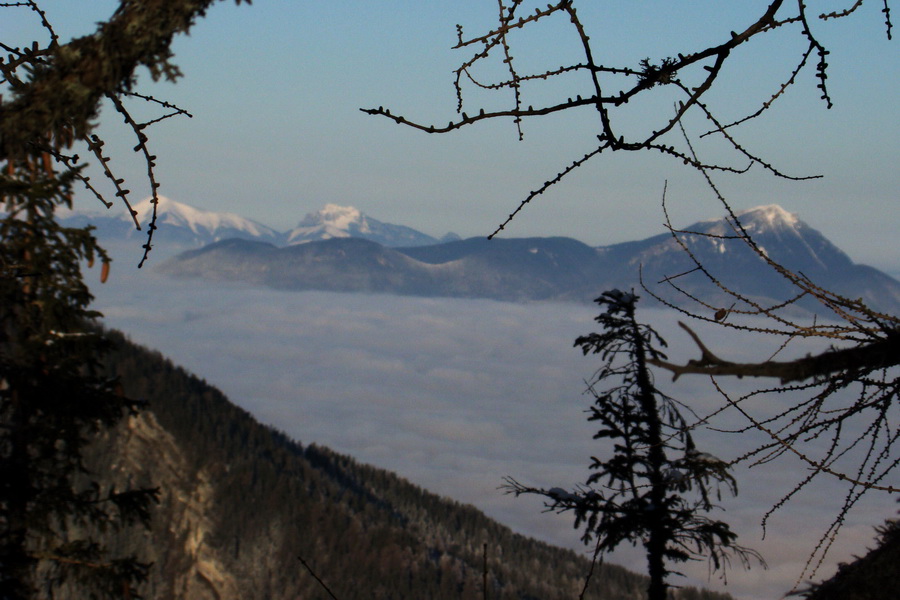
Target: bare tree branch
{"type": "Point", "coordinates": [57, 89]}
{"type": "Point", "coordinates": [860, 359]}
{"type": "Point", "coordinates": [609, 87]}
{"type": "Point", "coordinates": [66, 93]}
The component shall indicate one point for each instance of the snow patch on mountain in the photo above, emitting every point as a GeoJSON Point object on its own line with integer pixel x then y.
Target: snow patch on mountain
{"type": "Point", "coordinates": [343, 217]}
{"type": "Point", "coordinates": [199, 221]}
{"type": "Point", "coordinates": [772, 226]}
{"type": "Point", "coordinates": [330, 222]}
{"type": "Point", "coordinates": [182, 225]}
{"type": "Point", "coordinates": [774, 220]}
{"type": "Point", "coordinates": [771, 216]}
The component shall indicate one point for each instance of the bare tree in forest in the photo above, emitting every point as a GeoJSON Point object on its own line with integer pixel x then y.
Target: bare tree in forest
{"type": "Point", "coordinates": [53, 397]}
{"type": "Point", "coordinates": [845, 424]}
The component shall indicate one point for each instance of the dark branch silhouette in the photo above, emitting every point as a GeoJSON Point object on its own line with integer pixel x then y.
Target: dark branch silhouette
{"type": "Point", "coordinates": [57, 88]}
{"type": "Point", "coordinates": [879, 354]}
{"type": "Point", "coordinates": [844, 424]}
{"type": "Point", "coordinates": [608, 88]}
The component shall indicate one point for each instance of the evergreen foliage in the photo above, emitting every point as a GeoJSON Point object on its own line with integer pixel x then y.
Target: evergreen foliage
{"type": "Point", "coordinates": [870, 577]}
{"type": "Point", "coordinates": [656, 487]}
{"type": "Point", "coordinates": [54, 514]}
{"type": "Point", "coordinates": [53, 399]}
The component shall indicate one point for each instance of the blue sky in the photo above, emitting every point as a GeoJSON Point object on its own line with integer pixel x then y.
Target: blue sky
{"type": "Point", "coordinates": [275, 89]}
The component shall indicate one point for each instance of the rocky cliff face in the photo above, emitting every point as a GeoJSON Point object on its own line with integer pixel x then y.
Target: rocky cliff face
{"type": "Point", "coordinates": [184, 542]}
{"type": "Point", "coordinates": [186, 566]}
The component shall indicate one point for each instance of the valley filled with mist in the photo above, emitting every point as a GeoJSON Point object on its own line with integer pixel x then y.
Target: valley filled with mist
{"type": "Point", "coordinates": [456, 394]}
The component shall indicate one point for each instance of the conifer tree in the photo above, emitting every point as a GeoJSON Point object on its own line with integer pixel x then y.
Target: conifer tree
{"type": "Point", "coordinates": [656, 487]}
{"type": "Point", "coordinates": [53, 399]}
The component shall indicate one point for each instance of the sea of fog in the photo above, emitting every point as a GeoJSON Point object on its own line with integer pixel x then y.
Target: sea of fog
{"type": "Point", "coordinates": [455, 395]}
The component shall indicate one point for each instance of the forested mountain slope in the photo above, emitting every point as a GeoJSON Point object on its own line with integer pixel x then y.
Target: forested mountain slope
{"type": "Point", "coordinates": [874, 576]}
{"type": "Point", "coordinates": [241, 502]}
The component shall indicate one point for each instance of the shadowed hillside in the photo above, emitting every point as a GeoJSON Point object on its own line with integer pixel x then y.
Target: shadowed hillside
{"type": "Point", "coordinates": [241, 502]}
{"type": "Point", "coordinates": [874, 576]}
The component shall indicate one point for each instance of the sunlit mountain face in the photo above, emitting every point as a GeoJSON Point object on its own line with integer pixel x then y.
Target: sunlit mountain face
{"type": "Point", "coordinates": [666, 261]}
{"type": "Point", "coordinates": [179, 225]}
{"type": "Point", "coordinates": [335, 221]}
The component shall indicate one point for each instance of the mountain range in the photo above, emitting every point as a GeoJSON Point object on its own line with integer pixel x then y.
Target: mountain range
{"type": "Point", "coordinates": [183, 226]}
{"type": "Point", "coordinates": [340, 254]}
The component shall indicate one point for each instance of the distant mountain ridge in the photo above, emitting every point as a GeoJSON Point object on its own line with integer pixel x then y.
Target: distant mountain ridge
{"type": "Point", "coordinates": [179, 224]}
{"type": "Point", "coordinates": [780, 234]}
{"type": "Point", "coordinates": [335, 221]}
{"type": "Point", "coordinates": [186, 226]}
{"type": "Point", "coordinates": [342, 249]}
{"type": "Point", "coordinates": [529, 269]}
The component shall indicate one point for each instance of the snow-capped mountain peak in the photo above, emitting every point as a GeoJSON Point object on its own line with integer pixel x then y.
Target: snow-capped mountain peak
{"type": "Point", "coordinates": [339, 217]}
{"type": "Point", "coordinates": [768, 218]}
{"type": "Point", "coordinates": [773, 229]}
{"type": "Point", "coordinates": [179, 226]}
{"type": "Point", "coordinates": [763, 223]}
{"type": "Point", "coordinates": [199, 221]}
{"type": "Point", "coordinates": [330, 222]}
{"type": "Point", "coordinates": [334, 221]}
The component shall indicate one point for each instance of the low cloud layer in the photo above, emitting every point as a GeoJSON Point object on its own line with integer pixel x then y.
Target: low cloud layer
{"type": "Point", "coordinates": [457, 394]}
